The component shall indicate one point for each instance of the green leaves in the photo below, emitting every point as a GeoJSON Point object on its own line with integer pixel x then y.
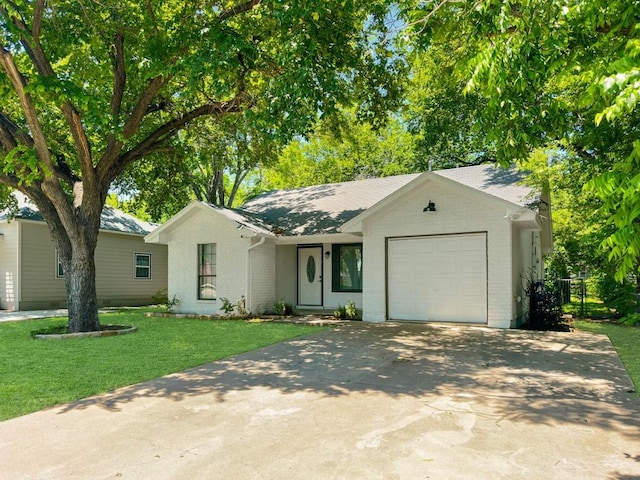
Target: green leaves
{"type": "Point", "coordinates": [619, 191]}
{"type": "Point", "coordinates": [23, 163]}
{"type": "Point", "coordinates": [624, 85]}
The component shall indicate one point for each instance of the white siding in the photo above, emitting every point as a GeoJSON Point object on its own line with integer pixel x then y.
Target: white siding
{"type": "Point", "coordinates": [9, 285]}
{"type": "Point", "coordinates": [456, 213]}
{"type": "Point", "coordinates": [231, 258]}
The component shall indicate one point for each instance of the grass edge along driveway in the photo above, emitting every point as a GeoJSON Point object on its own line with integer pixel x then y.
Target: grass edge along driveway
{"type": "Point", "coordinates": [36, 374]}
{"type": "Point", "coordinates": [626, 341]}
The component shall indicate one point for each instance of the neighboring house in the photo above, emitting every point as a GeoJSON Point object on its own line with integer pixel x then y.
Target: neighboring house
{"type": "Point", "coordinates": [448, 246]}
{"type": "Point", "coordinates": [128, 271]}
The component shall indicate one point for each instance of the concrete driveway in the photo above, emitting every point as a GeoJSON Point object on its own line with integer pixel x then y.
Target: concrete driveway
{"type": "Point", "coordinates": [399, 401]}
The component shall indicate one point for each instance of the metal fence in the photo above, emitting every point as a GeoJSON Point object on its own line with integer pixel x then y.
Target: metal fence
{"type": "Point", "coordinates": [572, 289]}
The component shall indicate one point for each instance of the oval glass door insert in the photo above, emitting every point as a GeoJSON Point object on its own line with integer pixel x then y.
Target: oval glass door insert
{"type": "Point", "coordinates": [311, 269]}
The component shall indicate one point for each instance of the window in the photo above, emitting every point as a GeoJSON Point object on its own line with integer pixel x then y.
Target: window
{"type": "Point", "coordinates": [207, 271]}
{"type": "Point", "coordinates": [347, 268]}
{"type": "Point", "coordinates": [142, 265]}
{"type": "Point", "coordinates": [59, 269]}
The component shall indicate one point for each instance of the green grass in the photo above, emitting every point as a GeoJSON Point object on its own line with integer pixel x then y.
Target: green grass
{"type": "Point", "coordinates": [35, 374]}
{"type": "Point", "coordinates": [626, 341]}
{"type": "Point", "coordinates": [593, 307]}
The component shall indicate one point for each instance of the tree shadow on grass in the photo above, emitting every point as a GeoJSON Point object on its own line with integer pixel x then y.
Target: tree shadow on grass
{"type": "Point", "coordinates": [524, 376]}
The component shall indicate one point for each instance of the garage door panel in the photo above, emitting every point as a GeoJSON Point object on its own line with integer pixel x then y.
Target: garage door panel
{"type": "Point", "coordinates": [439, 278]}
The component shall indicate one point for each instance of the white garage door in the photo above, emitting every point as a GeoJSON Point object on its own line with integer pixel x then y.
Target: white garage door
{"type": "Point", "coordinates": [438, 278]}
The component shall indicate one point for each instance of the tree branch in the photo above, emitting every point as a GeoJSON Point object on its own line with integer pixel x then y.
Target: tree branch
{"type": "Point", "coordinates": [38, 14]}
{"type": "Point", "coordinates": [64, 172]}
{"type": "Point", "coordinates": [119, 74]}
{"type": "Point", "coordinates": [31, 42]}
{"type": "Point", "coordinates": [14, 134]}
{"type": "Point", "coordinates": [237, 10]}
{"type": "Point", "coordinates": [140, 110]}
{"type": "Point", "coordinates": [54, 217]}
{"type": "Point", "coordinates": [26, 102]}
{"type": "Point", "coordinates": [108, 171]}
{"type": "Point", "coordinates": [10, 180]}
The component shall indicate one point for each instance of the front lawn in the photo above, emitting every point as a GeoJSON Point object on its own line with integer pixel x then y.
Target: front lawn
{"type": "Point", "coordinates": [35, 374]}
{"type": "Point", "coordinates": [626, 341]}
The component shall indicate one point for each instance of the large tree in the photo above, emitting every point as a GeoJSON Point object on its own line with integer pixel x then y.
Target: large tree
{"type": "Point", "coordinates": [91, 87]}
{"type": "Point", "coordinates": [559, 75]}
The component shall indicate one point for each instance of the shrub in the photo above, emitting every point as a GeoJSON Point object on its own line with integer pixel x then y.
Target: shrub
{"type": "Point", "coordinates": [227, 307]}
{"type": "Point", "coordinates": [282, 308]}
{"type": "Point", "coordinates": [351, 311]}
{"type": "Point", "coordinates": [621, 296]}
{"type": "Point", "coordinates": [545, 312]}
{"type": "Point", "coordinates": [631, 320]}
{"type": "Point", "coordinates": [241, 306]}
{"type": "Point", "coordinates": [162, 299]}
{"type": "Point", "coordinates": [340, 312]}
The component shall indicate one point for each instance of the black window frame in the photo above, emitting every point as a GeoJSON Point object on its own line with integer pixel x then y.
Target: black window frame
{"type": "Point", "coordinates": [335, 267]}
{"type": "Point", "coordinates": [59, 268]}
{"type": "Point", "coordinates": [202, 276]}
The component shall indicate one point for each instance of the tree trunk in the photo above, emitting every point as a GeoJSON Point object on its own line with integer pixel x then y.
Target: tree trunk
{"type": "Point", "coordinates": [80, 280]}
{"type": "Point", "coordinates": [76, 250]}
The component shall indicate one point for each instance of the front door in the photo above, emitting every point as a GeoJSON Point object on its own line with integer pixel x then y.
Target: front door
{"type": "Point", "coordinates": [310, 276]}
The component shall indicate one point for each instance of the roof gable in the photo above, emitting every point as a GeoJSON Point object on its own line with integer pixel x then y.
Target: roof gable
{"type": "Point", "coordinates": [244, 219]}
{"type": "Point", "coordinates": [500, 186]}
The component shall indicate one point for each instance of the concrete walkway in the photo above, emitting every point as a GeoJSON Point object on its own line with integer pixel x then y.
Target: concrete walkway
{"type": "Point", "coordinates": [6, 316]}
{"type": "Point", "coordinates": [401, 401]}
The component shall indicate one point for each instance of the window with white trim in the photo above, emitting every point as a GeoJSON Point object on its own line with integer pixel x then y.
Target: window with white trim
{"type": "Point", "coordinates": [142, 266]}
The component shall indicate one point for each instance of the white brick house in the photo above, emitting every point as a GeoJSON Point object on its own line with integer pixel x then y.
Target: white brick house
{"type": "Point", "coordinates": [445, 246]}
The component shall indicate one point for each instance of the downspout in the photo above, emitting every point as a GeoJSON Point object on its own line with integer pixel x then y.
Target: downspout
{"type": "Point", "coordinates": [248, 301]}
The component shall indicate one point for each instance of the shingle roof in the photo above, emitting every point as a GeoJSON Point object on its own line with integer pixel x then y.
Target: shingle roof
{"type": "Point", "coordinates": [112, 219]}
{"type": "Point", "coordinates": [322, 209]}
{"type": "Point", "coordinates": [498, 182]}
{"type": "Point", "coordinates": [247, 219]}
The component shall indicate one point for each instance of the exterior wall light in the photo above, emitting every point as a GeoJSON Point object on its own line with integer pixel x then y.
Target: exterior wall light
{"type": "Point", "coordinates": [431, 207]}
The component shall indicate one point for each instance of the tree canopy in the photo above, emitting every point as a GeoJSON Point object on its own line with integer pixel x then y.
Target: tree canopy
{"type": "Point", "coordinates": [90, 88]}
{"type": "Point", "coordinates": [556, 75]}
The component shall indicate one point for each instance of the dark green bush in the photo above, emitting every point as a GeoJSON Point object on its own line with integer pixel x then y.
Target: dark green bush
{"type": "Point", "coordinates": [545, 312]}
{"type": "Point", "coordinates": [620, 296]}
